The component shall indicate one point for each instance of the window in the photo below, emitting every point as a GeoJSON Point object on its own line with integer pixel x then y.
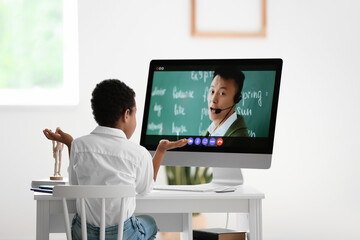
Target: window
{"type": "Point", "coordinates": [38, 52]}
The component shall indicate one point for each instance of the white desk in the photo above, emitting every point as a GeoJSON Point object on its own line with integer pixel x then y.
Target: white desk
{"type": "Point", "coordinates": [172, 210]}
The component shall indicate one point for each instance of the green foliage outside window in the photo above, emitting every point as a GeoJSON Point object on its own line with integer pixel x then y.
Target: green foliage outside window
{"type": "Point", "coordinates": [187, 175]}
{"type": "Point", "coordinates": [31, 44]}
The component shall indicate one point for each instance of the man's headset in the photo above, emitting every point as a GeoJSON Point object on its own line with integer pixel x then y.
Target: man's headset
{"type": "Point", "coordinates": [237, 98]}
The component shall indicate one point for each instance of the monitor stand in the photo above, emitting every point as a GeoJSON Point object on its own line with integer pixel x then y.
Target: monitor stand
{"type": "Point", "coordinates": [227, 176]}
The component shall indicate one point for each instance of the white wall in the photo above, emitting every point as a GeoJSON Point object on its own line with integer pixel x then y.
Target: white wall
{"type": "Point", "coordinates": [312, 188]}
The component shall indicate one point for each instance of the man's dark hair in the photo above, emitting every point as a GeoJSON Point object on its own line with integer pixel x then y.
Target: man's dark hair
{"type": "Point", "coordinates": [110, 99]}
{"type": "Point", "coordinates": [232, 73]}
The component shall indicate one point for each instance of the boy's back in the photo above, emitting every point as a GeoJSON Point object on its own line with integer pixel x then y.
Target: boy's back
{"type": "Point", "coordinates": [106, 157]}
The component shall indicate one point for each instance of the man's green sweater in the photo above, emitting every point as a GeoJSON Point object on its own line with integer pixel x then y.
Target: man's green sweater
{"type": "Point", "coordinates": [237, 129]}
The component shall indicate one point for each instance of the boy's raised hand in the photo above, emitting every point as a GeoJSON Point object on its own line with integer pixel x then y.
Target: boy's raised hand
{"type": "Point", "coordinates": [59, 136]}
{"type": "Point", "coordinates": [167, 145]}
{"type": "Point", "coordinates": [161, 149]}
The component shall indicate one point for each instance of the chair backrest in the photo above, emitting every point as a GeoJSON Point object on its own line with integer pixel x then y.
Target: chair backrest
{"type": "Point", "coordinates": [91, 191]}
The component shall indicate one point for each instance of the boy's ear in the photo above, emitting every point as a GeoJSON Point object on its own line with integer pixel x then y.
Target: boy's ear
{"type": "Point", "coordinates": [127, 115]}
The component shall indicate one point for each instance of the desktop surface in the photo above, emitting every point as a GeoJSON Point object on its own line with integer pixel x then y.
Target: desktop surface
{"type": "Point", "coordinates": [243, 191]}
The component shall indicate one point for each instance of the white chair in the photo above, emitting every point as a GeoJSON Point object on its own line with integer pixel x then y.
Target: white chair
{"type": "Point", "coordinates": [89, 191]}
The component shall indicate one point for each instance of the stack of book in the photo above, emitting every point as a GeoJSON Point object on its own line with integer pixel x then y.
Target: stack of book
{"type": "Point", "coordinates": [218, 234]}
{"type": "Point", "coordinates": [46, 185]}
{"type": "Point", "coordinates": [38, 183]}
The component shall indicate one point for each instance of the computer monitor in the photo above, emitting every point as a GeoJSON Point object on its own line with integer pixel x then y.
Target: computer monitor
{"type": "Point", "coordinates": [183, 101]}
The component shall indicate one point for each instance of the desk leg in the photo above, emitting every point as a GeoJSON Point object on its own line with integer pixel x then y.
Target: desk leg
{"type": "Point", "coordinates": [42, 220]}
{"type": "Point", "coordinates": [255, 220]}
{"type": "Point", "coordinates": [186, 233]}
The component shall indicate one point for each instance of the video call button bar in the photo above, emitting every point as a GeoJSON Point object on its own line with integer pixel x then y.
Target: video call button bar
{"type": "Point", "coordinates": [205, 141]}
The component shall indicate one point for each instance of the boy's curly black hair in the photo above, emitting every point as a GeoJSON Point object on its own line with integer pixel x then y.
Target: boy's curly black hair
{"type": "Point", "coordinates": [110, 99]}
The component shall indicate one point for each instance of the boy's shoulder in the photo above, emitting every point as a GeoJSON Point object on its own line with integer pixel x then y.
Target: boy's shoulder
{"type": "Point", "coordinates": [82, 139]}
{"type": "Point", "coordinates": [136, 147]}
{"type": "Point", "coordinates": [83, 142]}
{"type": "Point", "coordinates": [93, 141]}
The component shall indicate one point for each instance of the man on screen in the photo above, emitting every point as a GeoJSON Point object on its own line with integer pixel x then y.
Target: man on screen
{"type": "Point", "coordinates": [224, 94]}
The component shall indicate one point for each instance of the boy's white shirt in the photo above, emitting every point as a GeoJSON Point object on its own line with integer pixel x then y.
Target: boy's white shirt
{"type": "Point", "coordinates": [107, 157]}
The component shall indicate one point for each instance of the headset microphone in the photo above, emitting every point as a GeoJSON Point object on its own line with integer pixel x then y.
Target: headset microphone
{"type": "Point", "coordinates": [219, 110]}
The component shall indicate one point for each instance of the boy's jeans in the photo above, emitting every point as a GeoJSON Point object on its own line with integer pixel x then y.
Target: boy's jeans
{"type": "Point", "coordinates": [135, 228]}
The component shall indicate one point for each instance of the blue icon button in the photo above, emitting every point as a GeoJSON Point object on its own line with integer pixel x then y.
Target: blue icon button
{"type": "Point", "coordinates": [197, 141]}
{"type": "Point", "coordinates": [212, 141]}
{"type": "Point", "coordinates": [205, 141]}
{"type": "Point", "coordinates": [191, 140]}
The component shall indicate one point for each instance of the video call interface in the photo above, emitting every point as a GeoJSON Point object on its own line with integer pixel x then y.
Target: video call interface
{"type": "Point", "coordinates": [187, 101]}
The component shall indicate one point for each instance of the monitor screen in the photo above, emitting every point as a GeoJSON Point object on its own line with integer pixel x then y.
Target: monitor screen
{"type": "Point", "coordinates": [225, 107]}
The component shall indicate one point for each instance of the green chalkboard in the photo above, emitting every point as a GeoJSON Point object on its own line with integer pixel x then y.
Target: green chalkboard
{"type": "Point", "coordinates": [178, 104]}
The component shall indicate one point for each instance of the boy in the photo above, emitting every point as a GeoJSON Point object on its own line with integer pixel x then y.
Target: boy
{"type": "Point", "coordinates": [106, 157]}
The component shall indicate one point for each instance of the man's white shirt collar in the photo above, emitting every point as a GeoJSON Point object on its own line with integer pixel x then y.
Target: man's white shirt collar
{"type": "Point", "coordinates": [220, 131]}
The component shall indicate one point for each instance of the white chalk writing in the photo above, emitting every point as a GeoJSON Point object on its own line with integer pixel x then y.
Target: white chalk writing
{"type": "Point", "coordinates": [206, 93]}
{"type": "Point", "coordinates": [179, 110]}
{"type": "Point", "coordinates": [251, 133]}
{"type": "Point", "coordinates": [182, 94]}
{"type": "Point", "coordinates": [178, 129]}
{"type": "Point", "coordinates": [201, 130]}
{"type": "Point", "coordinates": [194, 76]}
{"type": "Point", "coordinates": [152, 126]}
{"type": "Point", "coordinates": [204, 112]}
{"type": "Point", "coordinates": [201, 75]}
{"type": "Point", "coordinates": [253, 95]}
{"type": "Point", "coordinates": [158, 92]}
{"type": "Point", "coordinates": [158, 108]}
{"type": "Point", "coordinates": [244, 111]}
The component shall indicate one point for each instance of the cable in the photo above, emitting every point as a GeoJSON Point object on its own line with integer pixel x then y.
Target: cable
{"type": "Point", "coordinates": [227, 220]}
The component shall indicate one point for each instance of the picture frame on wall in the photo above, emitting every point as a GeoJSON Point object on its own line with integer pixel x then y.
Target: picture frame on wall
{"type": "Point", "coordinates": [228, 18]}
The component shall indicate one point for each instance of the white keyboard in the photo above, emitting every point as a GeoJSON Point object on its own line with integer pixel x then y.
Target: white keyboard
{"type": "Point", "coordinates": [196, 188]}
